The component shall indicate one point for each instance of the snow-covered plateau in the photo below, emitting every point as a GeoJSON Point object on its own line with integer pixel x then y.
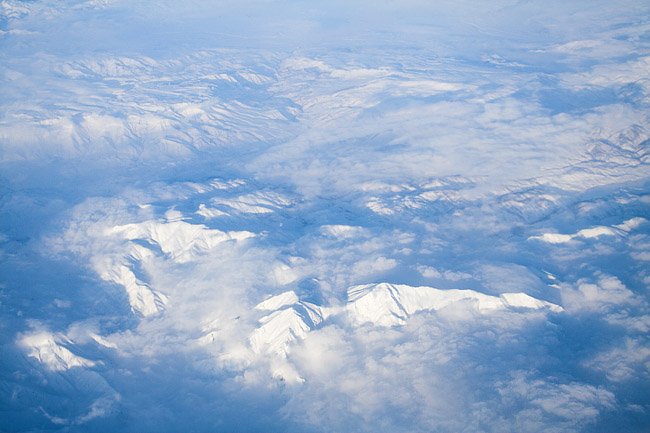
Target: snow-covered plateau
{"type": "Point", "coordinates": [352, 216]}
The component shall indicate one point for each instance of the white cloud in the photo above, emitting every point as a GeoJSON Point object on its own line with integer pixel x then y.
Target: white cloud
{"type": "Point", "coordinates": [607, 294]}
{"type": "Point", "coordinates": [573, 404]}
{"type": "Point", "coordinates": [369, 267]}
{"type": "Point", "coordinates": [629, 360]}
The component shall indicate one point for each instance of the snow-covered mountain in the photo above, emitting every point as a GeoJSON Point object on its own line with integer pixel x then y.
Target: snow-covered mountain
{"type": "Point", "coordinates": [388, 305]}
{"type": "Point", "coordinates": [381, 304]}
{"type": "Point", "coordinates": [289, 319]}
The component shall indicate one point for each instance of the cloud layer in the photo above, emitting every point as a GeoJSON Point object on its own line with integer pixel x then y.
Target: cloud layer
{"type": "Point", "coordinates": [268, 216]}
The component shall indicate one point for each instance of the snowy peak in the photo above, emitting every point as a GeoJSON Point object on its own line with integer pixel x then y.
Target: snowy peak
{"type": "Point", "coordinates": [522, 300]}
{"type": "Point", "coordinates": [181, 240]}
{"type": "Point", "coordinates": [291, 320]}
{"type": "Point", "coordinates": [142, 298]}
{"type": "Point", "coordinates": [279, 301]}
{"type": "Point", "coordinates": [386, 304]}
{"type": "Point", "coordinates": [382, 304]}
{"type": "Point", "coordinates": [50, 350]}
{"type": "Point", "coordinates": [178, 240]}
{"type": "Point", "coordinates": [254, 203]}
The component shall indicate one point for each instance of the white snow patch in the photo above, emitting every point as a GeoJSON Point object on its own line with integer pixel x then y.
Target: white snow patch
{"type": "Point", "coordinates": [283, 327]}
{"type": "Point", "coordinates": [375, 205]}
{"type": "Point", "coordinates": [255, 203]}
{"type": "Point", "coordinates": [47, 348]}
{"type": "Point", "coordinates": [101, 340]}
{"type": "Point", "coordinates": [142, 298]}
{"type": "Point", "coordinates": [181, 240]}
{"type": "Point", "coordinates": [522, 300]}
{"type": "Point", "coordinates": [291, 320]}
{"type": "Point", "coordinates": [391, 304]}
{"type": "Point", "coordinates": [226, 184]}
{"type": "Point", "coordinates": [278, 301]}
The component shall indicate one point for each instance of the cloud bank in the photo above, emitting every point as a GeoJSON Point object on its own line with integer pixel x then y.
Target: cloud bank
{"type": "Point", "coordinates": [273, 216]}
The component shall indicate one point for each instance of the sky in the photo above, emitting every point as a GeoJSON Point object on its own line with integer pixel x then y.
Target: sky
{"type": "Point", "coordinates": [354, 216]}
